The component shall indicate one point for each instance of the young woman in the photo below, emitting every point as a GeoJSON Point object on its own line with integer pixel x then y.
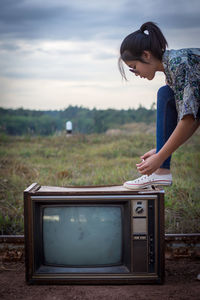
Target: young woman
{"type": "Point", "coordinates": [178, 103]}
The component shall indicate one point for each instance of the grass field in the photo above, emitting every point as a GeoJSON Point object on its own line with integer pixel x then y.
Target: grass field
{"type": "Point", "coordinates": [95, 160]}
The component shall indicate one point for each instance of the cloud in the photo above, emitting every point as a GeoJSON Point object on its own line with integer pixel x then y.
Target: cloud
{"type": "Point", "coordinates": [27, 19]}
{"type": "Point", "coordinates": [64, 60]}
{"type": "Point", "coordinates": [55, 19]}
{"type": "Point", "coordinates": [81, 19]}
{"type": "Point", "coordinates": [63, 42]}
{"type": "Point", "coordinates": [56, 94]}
{"type": "Point", "coordinates": [89, 20]}
{"type": "Point", "coordinates": [171, 14]}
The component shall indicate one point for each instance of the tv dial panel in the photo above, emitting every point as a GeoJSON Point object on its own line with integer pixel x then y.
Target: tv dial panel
{"type": "Point", "coordinates": [143, 235]}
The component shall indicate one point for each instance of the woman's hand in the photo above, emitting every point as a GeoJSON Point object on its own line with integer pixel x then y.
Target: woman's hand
{"type": "Point", "coordinates": [148, 154]}
{"type": "Point", "coordinates": [150, 164]}
{"type": "Point", "coordinates": [184, 129]}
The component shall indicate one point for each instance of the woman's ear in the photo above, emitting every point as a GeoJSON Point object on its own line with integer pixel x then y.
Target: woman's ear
{"type": "Point", "coordinates": [146, 55]}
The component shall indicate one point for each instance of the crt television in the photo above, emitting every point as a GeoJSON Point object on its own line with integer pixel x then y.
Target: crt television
{"type": "Point", "coordinates": [93, 235]}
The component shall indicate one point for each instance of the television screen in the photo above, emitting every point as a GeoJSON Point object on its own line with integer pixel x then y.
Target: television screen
{"type": "Point", "coordinates": [82, 235]}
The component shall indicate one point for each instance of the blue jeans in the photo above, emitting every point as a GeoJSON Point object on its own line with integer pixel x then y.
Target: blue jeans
{"type": "Point", "coordinates": [166, 119]}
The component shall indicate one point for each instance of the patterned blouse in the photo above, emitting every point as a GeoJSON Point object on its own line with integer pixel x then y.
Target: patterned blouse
{"type": "Point", "coordinates": [182, 70]}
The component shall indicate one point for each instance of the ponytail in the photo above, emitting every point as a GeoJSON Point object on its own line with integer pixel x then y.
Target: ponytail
{"type": "Point", "coordinates": [155, 41]}
{"type": "Point", "coordinates": [149, 37]}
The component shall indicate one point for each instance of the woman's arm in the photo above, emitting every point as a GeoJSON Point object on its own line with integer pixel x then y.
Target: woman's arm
{"type": "Point", "coordinates": [184, 129]}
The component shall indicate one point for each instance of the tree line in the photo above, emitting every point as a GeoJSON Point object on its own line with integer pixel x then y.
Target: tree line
{"type": "Point", "coordinates": [23, 121]}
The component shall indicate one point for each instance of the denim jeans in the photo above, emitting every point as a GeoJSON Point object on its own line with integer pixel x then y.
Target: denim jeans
{"type": "Point", "coordinates": [166, 119]}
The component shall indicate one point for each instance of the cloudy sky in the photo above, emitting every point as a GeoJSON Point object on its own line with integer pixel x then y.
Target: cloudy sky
{"type": "Point", "coordinates": [56, 53]}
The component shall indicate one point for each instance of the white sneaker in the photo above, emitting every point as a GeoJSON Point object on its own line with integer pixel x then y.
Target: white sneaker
{"type": "Point", "coordinates": [147, 181]}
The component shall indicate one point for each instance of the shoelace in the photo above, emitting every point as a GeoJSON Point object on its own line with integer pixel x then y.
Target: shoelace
{"type": "Point", "coordinates": [141, 178]}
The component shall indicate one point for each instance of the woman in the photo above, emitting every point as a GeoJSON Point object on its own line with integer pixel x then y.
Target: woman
{"type": "Point", "coordinates": [178, 103]}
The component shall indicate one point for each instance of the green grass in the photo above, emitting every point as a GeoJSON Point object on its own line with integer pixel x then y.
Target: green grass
{"type": "Point", "coordinates": [94, 160]}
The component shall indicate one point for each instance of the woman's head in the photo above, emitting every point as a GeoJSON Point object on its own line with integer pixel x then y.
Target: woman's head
{"type": "Point", "coordinates": [148, 39]}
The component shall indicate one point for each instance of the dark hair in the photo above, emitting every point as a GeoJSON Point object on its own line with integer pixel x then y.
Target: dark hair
{"type": "Point", "coordinates": [137, 42]}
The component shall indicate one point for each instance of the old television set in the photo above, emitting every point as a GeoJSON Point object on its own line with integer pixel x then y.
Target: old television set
{"type": "Point", "coordinates": [93, 235]}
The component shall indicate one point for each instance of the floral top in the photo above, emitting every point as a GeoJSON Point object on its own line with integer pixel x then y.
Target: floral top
{"type": "Point", "coordinates": [182, 70]}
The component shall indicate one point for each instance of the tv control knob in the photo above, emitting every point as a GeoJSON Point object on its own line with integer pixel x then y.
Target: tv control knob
{"type": "Point", "coordinates": [139, 210]}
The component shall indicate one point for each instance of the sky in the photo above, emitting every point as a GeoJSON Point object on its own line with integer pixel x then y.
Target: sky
{"type": "Point", "coordinates": [59, 53]}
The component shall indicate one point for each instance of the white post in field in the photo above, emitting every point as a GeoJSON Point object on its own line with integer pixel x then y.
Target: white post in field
{"type": "Point", "coordinates": [68, 128]}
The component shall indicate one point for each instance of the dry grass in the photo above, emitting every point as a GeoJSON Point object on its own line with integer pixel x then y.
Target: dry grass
{"type": "Point", "coordinates": [95, 160]}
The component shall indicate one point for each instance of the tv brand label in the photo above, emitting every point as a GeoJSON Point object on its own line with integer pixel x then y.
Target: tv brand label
{"type": "Point", "coordinates": [140, 237]}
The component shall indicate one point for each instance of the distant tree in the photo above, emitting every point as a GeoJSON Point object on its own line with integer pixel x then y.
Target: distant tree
{"type": "Point", "coordinates": [21, 121]}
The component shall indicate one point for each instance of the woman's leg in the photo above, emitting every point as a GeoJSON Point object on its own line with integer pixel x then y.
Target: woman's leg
{"type": "Point", "coordinates": [166, 122]}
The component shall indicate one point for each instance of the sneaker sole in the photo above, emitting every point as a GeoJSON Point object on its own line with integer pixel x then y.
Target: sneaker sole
{"type": "Point", "coordinates": [145, 185]}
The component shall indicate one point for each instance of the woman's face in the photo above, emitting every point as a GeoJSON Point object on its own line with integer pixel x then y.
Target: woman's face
{"type": "Point", "coordinates": [141, 69]}
{"type": "Point", "coordinates": [144, 70]}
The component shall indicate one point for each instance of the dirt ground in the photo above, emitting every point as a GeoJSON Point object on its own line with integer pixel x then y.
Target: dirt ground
{"type": "Point", "coordinates": [180, 283]}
